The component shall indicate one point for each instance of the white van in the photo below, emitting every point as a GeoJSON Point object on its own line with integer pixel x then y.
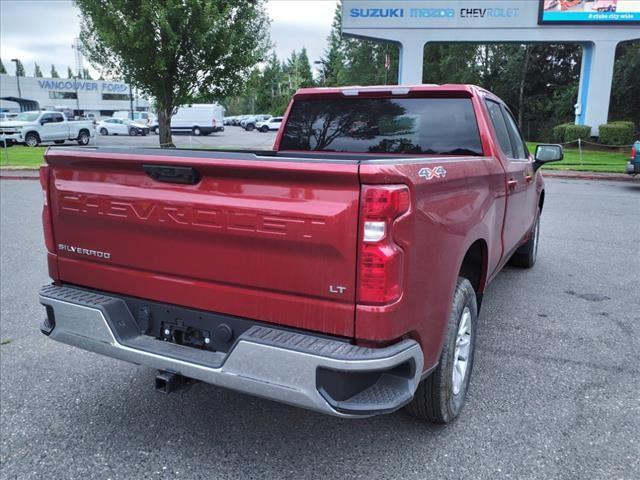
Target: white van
{"type": "Point", "coordinates": [198, 119]}
{"type": "Point", "coordinates": [147, 118]}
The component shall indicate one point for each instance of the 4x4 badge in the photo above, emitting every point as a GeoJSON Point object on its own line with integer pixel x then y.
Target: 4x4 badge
{"type": "Point", "coordinates": [429, 173]}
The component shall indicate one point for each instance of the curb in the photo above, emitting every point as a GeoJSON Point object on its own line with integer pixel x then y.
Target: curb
{"type": "Point", "coordinates": [617, 177]}
{"type": "Point", "coordinates": [10, 174]}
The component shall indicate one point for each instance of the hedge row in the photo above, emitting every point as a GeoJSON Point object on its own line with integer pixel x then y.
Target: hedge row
{"type": "Point", "coordinates": [617, 133]}
{"type": "Point", "coordinates": [612, 133]}
{"type": "Point", "coordinates": [568, 132]}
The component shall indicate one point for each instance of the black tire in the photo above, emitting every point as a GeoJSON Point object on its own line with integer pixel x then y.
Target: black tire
{"type": "Point", "coordinates": [249, 127]}
{"type": "Point", "coordinates": [84, 138]}
{"type": "Point", "coordinates": [58, 142]}
{"type": "Point", "coordinates": [104, 131]}
{"type": "Point", "coordinates": [435, 399]}
{"type": "Point", "coordinates": [133, 132]}
{"type": "Point", "coordinates": [264, 129]}
{"type": "Point", "coordinates": [32, 139]}
{"type": "Point", "coordinates": [527, 254]}
{"type": "Point", "coordinates": [156, 130]}
{"type": "Point", "coordinates": [196, 131]}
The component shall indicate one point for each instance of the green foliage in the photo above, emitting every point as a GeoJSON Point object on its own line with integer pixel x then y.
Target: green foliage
{"type": "Point", "coordinates": [176, 50]}
{"type": "Point", "coordinates": [36, 71]}
{"type": "Point", "coordinates": [617, 133]}
{"type": "Point", "coordinates": [70, 73]}
{"type": "Point", "coordinates": [625, 94]}
{"type": "Point", "coordinates": [559, 131]}
{"type": "Point", "coordinates": [85, 74]}
{"type": "Point", "coordinates": [54, 72]}
{"type": "Point", "coordinates": [2, 69]}
{"type": "Point", "coordinates": [19, 69]}
{"type": "Point", "coordinates": [575, 132]}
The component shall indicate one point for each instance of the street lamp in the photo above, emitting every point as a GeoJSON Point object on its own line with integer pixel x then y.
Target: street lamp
{"type": "Point", "coordinates": [16, 61]}
{"type": "Point", "coordinates": [324, 71]}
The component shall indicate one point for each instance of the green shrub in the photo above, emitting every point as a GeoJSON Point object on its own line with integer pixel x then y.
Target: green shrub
{"type": "Point", "coordinates": [617, 133]}
{"type": "Point", "coordinates": [558, 132]}
{"type": "Point", "coordinates": [575, 132]}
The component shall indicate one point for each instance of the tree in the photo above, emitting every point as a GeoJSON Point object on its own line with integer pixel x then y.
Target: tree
{"type": "Point", "coordinates": [36, 71]}
{"type": "Point", "coordinates": [306, 75]}
{"type": "Point", "coordinates": [333, 60]}
{"type": "Point", "coordinates": [175, 50]}
{"type": "Point", "coordinates": [54, 72]}
{"type": "Point", "coordinates": [2, 69]}
{"type": "Point", "coordinates": [86, 75]}
{"type": "Point", "coordinates": [70, 73]}
{"type": "Point", "coordinates": [19, 69]}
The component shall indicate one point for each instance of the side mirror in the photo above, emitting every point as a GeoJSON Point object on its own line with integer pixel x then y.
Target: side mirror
{"type": "Point", "coordinates": [547, 153]}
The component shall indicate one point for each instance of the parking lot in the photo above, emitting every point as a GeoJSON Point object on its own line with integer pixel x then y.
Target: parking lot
{"type": "Point", "coordinates": [555, 392]}
{"type": "Point", "coordinates": [231, 137]}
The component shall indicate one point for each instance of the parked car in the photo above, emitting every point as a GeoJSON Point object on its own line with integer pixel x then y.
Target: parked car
{"type": "Point", "coordinates": [4, 116]}
{"type": "Point", "coordinates": [342, 271]}
{"type": "Point", "coordinates": [633, 165]}
{"type": "Point", "coordinates": [118, 126]}
{"type": "Point", "coordinates": [271, 123]}
{"type": "Point", "coordinates": [145, 118]}
{"type": "Point", "coordinates": [198, 119]}
{"type": "Point", "coordinates": [33, 128]}
{"type": "Point", "coordinates": [250, 123]}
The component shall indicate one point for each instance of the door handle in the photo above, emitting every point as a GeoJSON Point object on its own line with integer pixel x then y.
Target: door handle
{"type": "Point", "coordinates": [512, 184]}
{"type": "Point", "coordinates": [528, 178]}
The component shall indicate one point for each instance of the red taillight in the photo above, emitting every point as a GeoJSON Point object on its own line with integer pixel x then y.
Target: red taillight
{"type": "Point", "coordinates": [381, 259]}
{"type": "Point", "coordinates": [46, 212]}
{"type": "Point", "coordinates": [633, 152]}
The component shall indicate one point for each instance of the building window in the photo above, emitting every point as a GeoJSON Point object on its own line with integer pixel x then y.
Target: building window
{"type": "Point", "coordinates": [115, 96]}
{"type": "Point", "coordinates": [63, 95]}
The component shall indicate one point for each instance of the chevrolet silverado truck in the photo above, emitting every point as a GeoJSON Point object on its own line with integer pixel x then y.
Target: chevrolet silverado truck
{"type": "Point", "coordinates": [342, 271]}
{"type": "Point", "coordinates": [33, 128]}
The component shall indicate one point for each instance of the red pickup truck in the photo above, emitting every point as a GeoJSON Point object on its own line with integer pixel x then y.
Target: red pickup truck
{"type": "Point", "coordinates": [342, 271]}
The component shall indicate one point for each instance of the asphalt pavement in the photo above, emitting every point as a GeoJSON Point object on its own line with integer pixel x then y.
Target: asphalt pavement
{"type": "Point", "coordinates": [232, 137]}
{"type": "Point", "coordinates": [555, 392]}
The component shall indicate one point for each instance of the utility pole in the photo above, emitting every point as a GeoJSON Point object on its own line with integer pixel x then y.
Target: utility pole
{"type": "Point", "coordinates": [16, 61]}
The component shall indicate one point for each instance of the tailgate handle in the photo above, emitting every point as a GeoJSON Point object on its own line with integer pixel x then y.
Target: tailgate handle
{"type": "Point", "coordinates": [169, 174]}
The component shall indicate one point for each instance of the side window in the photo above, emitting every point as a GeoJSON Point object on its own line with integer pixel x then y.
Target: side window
{"type": "Point", "coordinates": [46, 118]}
{"type": "Point", "coordinates": [519, 147]}
{"type": "Point", "coordinates": [57, 118]}
{"type": "Point", "coordinates": [499, 125]}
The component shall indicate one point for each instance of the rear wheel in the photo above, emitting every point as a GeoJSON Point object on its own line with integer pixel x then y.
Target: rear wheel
{"type": "Point", "coordinates": [249, 127]}
{"type": "Point", "coordinates": [196, 131]}
{"type": "Point", "coordinates": [527, 254]}
{"type": "Point", "coordinates": [440, 397]}
{"type": "Point", "coordinates": [264, 129]}
{"type": "Point", "coordinates": [32, 140]}
{"type": "Point", "coordinates": [104, 131]}
{"type": "Point", "coordinates": [83, 138]}
{"type": "Point", "coordinates": [132, 132]}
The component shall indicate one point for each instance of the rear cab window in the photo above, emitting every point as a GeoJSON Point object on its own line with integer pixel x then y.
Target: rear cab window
{"type": "Point", "coordinates": [429, 126]}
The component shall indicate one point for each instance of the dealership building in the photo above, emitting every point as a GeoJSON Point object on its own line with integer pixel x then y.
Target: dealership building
{"type": "Point", "coordinates": [598, 25]}
{"type": "Point", "coordinates": [82, 97]}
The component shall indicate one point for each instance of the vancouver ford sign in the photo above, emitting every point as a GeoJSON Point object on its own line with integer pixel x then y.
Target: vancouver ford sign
{"type": "Point", "coordinates": [81, 85]}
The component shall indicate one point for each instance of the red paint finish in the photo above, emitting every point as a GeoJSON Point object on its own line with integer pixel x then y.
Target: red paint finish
{"type": "Point", "coordinates": [280, 238]}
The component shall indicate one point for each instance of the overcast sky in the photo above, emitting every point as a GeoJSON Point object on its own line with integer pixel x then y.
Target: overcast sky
{"type": "Point", "coordinates": [42, 31]}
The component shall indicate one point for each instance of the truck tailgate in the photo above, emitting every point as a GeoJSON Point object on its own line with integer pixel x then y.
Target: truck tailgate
{"type": "Point", "coordinates": [263, 238]}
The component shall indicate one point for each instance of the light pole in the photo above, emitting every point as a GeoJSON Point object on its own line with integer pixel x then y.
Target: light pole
{"type": "Point", "coordinates": [324, 71]}
{"type": "Point", "coordinates": [16, 61]}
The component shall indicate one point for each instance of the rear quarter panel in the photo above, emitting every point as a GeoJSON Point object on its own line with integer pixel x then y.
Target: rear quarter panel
{"type": "Point", "coordinates": [448, 214]}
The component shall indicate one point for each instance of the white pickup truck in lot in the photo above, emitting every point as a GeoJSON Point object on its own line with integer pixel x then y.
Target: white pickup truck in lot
{"type": "Point", "coordinates": [33, 128]}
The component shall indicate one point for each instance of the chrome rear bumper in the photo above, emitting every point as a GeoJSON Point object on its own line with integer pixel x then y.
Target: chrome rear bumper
{"type": "Point", "coordinates": [325, 375]}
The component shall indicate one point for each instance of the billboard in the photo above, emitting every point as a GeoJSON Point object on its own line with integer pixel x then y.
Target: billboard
{"type": "Point", "coordinates": [621, 12]}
